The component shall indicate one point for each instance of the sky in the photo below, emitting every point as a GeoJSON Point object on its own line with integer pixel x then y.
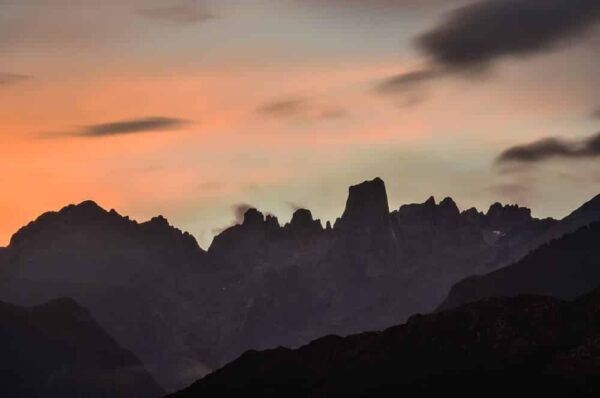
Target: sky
{"type": "Point", "coordinates": [194, 109]}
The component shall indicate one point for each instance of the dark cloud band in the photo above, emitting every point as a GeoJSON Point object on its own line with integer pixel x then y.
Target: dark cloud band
{"type": "Point", "coordinates": [476, 35]}
{"type": "Point", "coordinates": [548, 148]}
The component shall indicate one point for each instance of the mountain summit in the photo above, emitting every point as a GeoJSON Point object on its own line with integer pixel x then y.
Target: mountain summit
{"type": "Point", "coordinates": [366, 207]}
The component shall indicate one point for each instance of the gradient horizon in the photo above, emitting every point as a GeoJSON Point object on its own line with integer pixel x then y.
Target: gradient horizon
{"type": "Point", "coordinates": [190, 108]}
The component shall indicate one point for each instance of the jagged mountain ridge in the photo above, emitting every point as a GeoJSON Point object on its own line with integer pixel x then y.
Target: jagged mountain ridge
{"type": "Point", "coordinates": [185, 311]}
{"type": "Point", "coordinates": [58, 350]}
{"type": "Point", "coordinates": [531, 344]}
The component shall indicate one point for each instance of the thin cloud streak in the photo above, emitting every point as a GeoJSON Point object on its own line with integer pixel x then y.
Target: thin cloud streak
{"type": "Point", "coordinates": [405, 81]}
{"type": "Point", "coordinates": [301, 109]}
{"type": "Point", "coordinates": [283, 107]}
{"type": "Point", "coordinates": [125, 127]}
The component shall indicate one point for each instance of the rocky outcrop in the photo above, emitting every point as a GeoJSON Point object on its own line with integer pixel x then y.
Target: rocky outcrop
{"type": "Point", "coordinates": [530, 344]}
{"type": "Point", "coordinates": [505, 218]}
{"type": "Point", "coordinates": [366, 209]}
{"type": "Point", "coordinates": [58, 350]}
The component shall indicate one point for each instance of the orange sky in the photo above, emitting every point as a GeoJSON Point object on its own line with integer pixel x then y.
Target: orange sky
{"type": "Point", "coordinates": [334, 131]}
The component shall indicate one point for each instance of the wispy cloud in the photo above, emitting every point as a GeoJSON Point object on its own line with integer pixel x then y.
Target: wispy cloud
{"type": "Point", "coordinates": [548, 148]}
{"type": "Point", "coordinates": [283, 107]}
{"type": "Point", "coordinates": [302, 109]}
{"type": "Point", "coordinates": [405, 81]}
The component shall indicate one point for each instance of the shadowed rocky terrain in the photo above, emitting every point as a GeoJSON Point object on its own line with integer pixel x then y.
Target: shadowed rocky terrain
{"type": "Point", "coordinates": [564, 268]}
{"type": "Point", "coordinates": [185, 311]}
{"type": "Point", "coordinates": [494, 348]}
{"type": "Point", "coordinates": [58, 350]}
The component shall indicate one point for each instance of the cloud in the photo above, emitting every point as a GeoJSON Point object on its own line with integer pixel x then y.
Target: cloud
{"type": "Point", "coordinates": [294, 206]}
{"type": "Point", "coordinates": [132, 126]}
{"type": "Point", "coordinates": [283, 107]}
{"type": "Point", "coordinates": [548, 148]}
{"type": "Point", "coordinates": [8, 79]}
{"type": "Point", "coordinates": [474, 36]}
{"type": "Point", "coordinates": [300, 109]}
{"type": "Point", "coordinates": [124, 127]}
{"type": "Point", "coordinates": [187, 13]}
{"type": "Point", "coordinates": [239, 210]}
{"type": "Point", "coordinates": [405, 81]}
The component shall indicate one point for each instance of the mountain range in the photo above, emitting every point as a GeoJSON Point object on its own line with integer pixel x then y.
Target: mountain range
{"type": "Point", "coordinates": [185, 311]}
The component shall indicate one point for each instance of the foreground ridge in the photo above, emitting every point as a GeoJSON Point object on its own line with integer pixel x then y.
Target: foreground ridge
{"type": "Point", "coordinates": [530, 344]}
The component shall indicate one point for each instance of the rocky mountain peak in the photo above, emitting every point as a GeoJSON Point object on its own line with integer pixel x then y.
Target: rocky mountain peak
{"type": "Point", "coordinates": [253, 218]}
{"type": "Point", "coordinates": [301, 217]}
{"type": "Point", "coordinates": [84, 213]}
{"type": "Point", "coordinates": [272, 222]}
{"type": "Point", "coordinates": [367, 205]}
{"type": "Point", "coordinates": [302, 221]}
{"type": "Point", "coordinates": [504, 217]}
{"type": "Point", "coordinates": [448, 207]}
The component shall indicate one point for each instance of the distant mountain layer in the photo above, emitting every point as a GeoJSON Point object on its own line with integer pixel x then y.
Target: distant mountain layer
{"type": "Point", "coordinates": [58, 350]}
{"type": "Point", "coordinates": [185, 311]}
{"type": "Point", "coordinates": [564, 268]}
{"type": "Point", "coordinates": [529, 346]}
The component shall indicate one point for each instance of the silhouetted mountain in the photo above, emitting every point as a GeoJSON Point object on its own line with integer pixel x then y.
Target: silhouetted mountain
{"type": "Point", "coordinates": [589, 212]}
{"type": "Point", "coordinates": [185, 312]}
{"type": "Point", "coordinates": [58, 350]}
{"type": "Point", "coordinates": [126, 273]}
{"type": "Point", "coordinates": [563, 268]}
{"type": "Point", "coordinates": [529, 346]}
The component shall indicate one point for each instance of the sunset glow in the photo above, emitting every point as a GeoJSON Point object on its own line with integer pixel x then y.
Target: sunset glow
{"type": "Point", "coordinates": [278, 104]}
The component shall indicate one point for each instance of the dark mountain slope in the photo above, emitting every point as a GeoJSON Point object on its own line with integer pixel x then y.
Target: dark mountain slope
{"type": "Point", "coordinates": [564, 268]}
{"type": "Point", "coordinates": [529, 345]}
{"type": "Point", "coordinates": [127, 274]}
{"type": "Point", "coordinates": [58, 350]}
